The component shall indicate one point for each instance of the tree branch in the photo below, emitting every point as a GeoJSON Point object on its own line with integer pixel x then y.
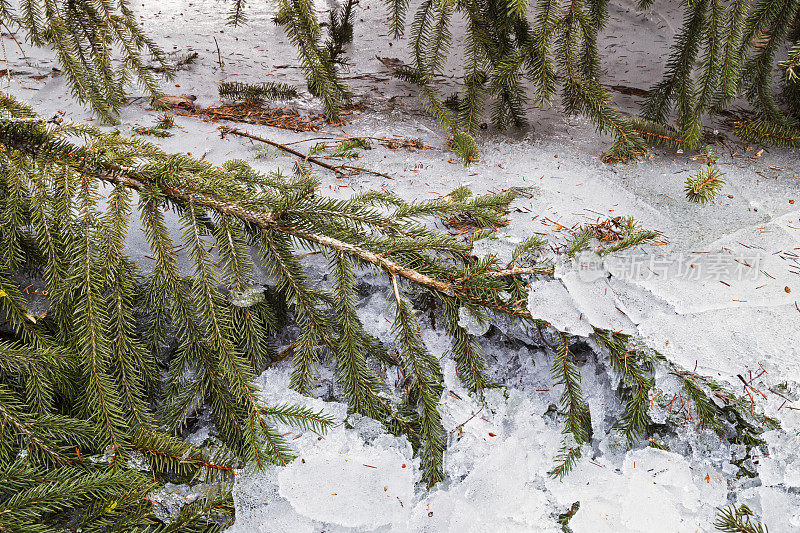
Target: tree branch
{"type": "Point", "coordinates": [125, 176]}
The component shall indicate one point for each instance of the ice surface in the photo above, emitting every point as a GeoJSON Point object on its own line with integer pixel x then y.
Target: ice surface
{"type": "Point", "coordinates": [654, 490]}
{"type": "Point", "coordinates": [362, 488]}
{"type": "Point", "coordinates": [730, 315]}
{"type": "Point", "coordinates": [551, 301]}
{"type": "Point", "coordinates": [171, 497]}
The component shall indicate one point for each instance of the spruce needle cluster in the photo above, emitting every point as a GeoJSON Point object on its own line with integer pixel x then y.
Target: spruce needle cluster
{"type": "Point", "coordinates": [733, 519]}
{"type": "Point", "coordinates": [256, 93]}
{"type": "Point", "coordinates": [704, 186]}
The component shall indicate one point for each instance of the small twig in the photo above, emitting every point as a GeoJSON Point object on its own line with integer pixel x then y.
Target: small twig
{"type": "Point", "coordinates": [219, 55]}
{"type": "Point", "coordinates": [334, 168]}
{"type": "Point", "coordinates": [461, 425]}
{"type": "Point", "coordinates": [21, 50]}
{"type": "Point", "coordinates": [281, 356]}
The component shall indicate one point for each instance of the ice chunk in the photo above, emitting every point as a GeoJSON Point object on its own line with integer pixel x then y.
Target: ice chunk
{"type": "Point", "coordinates": [580, 297]}
{"type": "Point", "coordinates": [367, 488]}
{"type": "Point", "coordinates": [776, 508]}
{"type": "Point", "coordinates": [597, 301]}
{"type": "Point", "coordinates": [550, 301]}
{"type": "Point", "coordinates": [473, 326]}
{"type": "Point", "coordinates": [260, 509]}
{"type": "Point", "coordinates": [171, 497]}
{"type": "Point", "coordinates": [654, 491]}
{"type": "Point", "coordinates": [247, 297]}
{"type": "Point", "coordinates": [782, 465]}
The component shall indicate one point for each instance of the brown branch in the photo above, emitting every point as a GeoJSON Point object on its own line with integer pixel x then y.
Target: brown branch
{"type": "Point", "coordinates": [517, 271]}
{"type": "Point", "coordinates": [375, 259]}
{"type": "Point", "coordinates": [283, 354]}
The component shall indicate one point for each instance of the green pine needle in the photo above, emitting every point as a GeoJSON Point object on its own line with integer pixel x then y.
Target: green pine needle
{"type": "Point", "coordinates": [733, 519]}
{"type": "Point", "coordinates": [256, 93]}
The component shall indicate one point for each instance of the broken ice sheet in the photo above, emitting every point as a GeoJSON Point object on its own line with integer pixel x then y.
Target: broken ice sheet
{"type": "Point", "coordinates": [579, 299]}
{"type": "Point", "coordinates": [549, 300]}
{"type": "Point", "coordinates": [655, 490]}
{"type": "Point", "coordinates": [366, 489]}
{"type": "Point", "coordinates": [782, 465]}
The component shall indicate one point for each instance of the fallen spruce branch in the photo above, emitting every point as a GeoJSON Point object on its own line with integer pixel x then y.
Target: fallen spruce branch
{"type": "Point", "coordinates": [127, 177]}
{"type": "Point", "coordinates": [182, 347]}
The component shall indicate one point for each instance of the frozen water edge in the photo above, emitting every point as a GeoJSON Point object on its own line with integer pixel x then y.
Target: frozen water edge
{"type": "Point", "coordinates": [497, 461]}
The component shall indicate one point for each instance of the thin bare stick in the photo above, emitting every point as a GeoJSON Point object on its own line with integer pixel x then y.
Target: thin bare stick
{"type": "Point", "coordinates": [462, 424]}
{"type": "Point", "coordinates": [219, 55]}
{"type": "Point", "coordinates": [289, 349]}
{"type": "Point", "coordinates": [338, 169]}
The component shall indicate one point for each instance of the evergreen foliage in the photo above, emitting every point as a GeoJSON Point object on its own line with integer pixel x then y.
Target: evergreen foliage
{"type": "Point", "coordinates": [161, 129]}
{"type": "Point", "coordinates": [85, 36]}
{"type": "Point", "coordinates": [111, 374]}
{"type": "Point", "coordinates": [735, 44]}
{"type": "Point", "coordinates": [767, 131]}
{"type": "Point", "coordinates": [578, 429]}
{"type": "Point", "coordinates": [717, 56]}
{"type": "Point", "coordinates": [635, 370]}
{"type": "Point", "coordinates": [725, 49]}
{"type": "Point", "coordinates": [733, 519]}
{"type": "Point", "coordinates": [318, 60]}
{"type": "Point", "coordinates": [346, 149]}
{"type": "Point", "coordinates": [340, 30]}
{"type": "Point", "coordinates": [92, 361]}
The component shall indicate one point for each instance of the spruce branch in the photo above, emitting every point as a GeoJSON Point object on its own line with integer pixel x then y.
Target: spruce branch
{"type": "Point", "coordinates": [733, 519]}
{"type": "Point", "coordinates": [338, 169]}
{"type": "Point", "coordinates": [426, 384]}
{"type": "Point", "coordinates": [769, 132]}
{"type": "Point", "coordinates": [84, 35]}
{"type": "Point", "coordinates": [256, 93]}
{"type": "Point", "coordinates": [121, 348]}
{"type": "Point", "coordinates": [636, 380]}
{"type": "Point", "coordinates": [578, 429]}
